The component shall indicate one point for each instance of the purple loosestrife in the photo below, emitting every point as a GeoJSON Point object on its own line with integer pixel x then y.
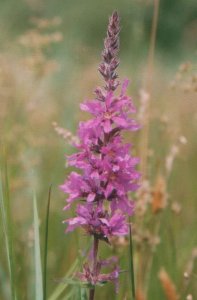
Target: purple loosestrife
{"type": "Point", "coordinates": [107, 169]}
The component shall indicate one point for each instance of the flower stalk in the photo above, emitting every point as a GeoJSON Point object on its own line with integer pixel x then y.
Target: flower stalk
{"type": "Point", "coordinates": [94, 271]}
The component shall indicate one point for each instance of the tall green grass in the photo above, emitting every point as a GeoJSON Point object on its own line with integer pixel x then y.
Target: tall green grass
{"type": "Point", "coordinates": [7, 223]}
{"type": "Point", "coordinates": [37, 254]}
{"type": "Point", "coordinates": [40, 276]}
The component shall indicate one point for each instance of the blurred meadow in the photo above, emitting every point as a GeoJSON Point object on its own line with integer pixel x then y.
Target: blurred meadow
{"type": "Point", "coordinates": [49, 55]}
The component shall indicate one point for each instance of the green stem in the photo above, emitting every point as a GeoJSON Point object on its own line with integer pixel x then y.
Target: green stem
{"type": "Point", "coordinates": [95, 251]}
{"type": "Point", "coordinates": [46, 246]}
{"type": "Point", "coordinates": [131, 264]}
{"type": "Point", "coordinates": [148, 89]}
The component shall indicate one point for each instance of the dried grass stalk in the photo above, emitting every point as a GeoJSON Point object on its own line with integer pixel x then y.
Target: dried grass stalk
{"type": "Point", "coordinates": [168, 285]}
{"type": "Point", "coordinates": [159, 199]}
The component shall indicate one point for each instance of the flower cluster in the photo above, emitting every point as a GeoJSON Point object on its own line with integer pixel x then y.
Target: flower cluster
{"type": "Point", "coordinates": [98, 222]}
{"type": "Point", "coordinates": [107, 170]}
{"type": "Point", "coordinates": [94, 277]}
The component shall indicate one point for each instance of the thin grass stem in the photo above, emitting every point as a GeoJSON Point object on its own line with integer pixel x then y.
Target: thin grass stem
{"type": "Point", "coordinates": [95, 252]}
{"type": "Point", "coordinates": [37, 255]}
{"type": "Point", "coordinates": [148, 88]}
{"type": "Point", "coordinates": [132, 277]}
{"type": "Point", "coordinates": [7, 226]}
{"type": "Point", "coordinates": [46, 245]}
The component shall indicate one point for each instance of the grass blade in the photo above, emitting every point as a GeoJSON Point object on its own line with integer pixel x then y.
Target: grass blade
{"type": "Point", "coordinates": [46, 247]}
{"type": "Point", "coordinates": [5, 291]}
{"type": "Point", "coordinates": [62, 286]}
{"type": "Point", "coordinates": [37, 255]}
{"type": "Point", "coordinates": [84, 294]}
{"type": "Point", "coordinates": [7, 228]}
{"type": "Point", "coordinates": [69, 295]}
{"type": "Point", "coordinates": [132, 278]}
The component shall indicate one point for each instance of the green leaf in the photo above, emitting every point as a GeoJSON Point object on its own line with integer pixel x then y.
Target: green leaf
{"type": "Point", "coordinates": [69, 295]}
{"type": "Point", "coordinates": [70, 281]}
{"type": "Point", "coordinates": [62, 286]}
{"type": "Point", "coordinates": [7, 228]}
{"type": "Point", "coordinates": [84, 294]}
{"type": "Point", "coordinates": [37, 255]}
{"type": "Point", "coordinates": [81, 293]}
{"type": "Point", "coordinates": [4, 287]}
{"type": "Point", "coordinates": [131, 264]}
{"type": "Point", "coordinates": [46, 247]}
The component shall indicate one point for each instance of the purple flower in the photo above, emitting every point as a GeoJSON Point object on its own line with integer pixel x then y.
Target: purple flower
{"type": "Point", "coordinates": [98, 222]}
{"type": "Point", "coordinates": [113, 113]}
{"type": "Point", "coordinates": [107, 170]}
{"type": "Point", "coordinates": [108, 174]}
{"type": "Point", "coordinates": [97, 278]}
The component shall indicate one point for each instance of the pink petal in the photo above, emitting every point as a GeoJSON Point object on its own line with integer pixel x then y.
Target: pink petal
{"type": "Point", "coordinates": [91, 197]}
{"type": "Point", "coordinates": [67, 207]}
{"type": "Point", "coordinates": [107, 126]}
{"type": "Point", "coordinates": [120, 121]}
{"type": "Point", "coordinates": [124, 86]}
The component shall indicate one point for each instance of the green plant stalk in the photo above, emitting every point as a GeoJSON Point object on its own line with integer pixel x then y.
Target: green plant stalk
{"type": "Point", "coordinates": [7, 227]}
{"type": "Point", "coordinates": [131, 263]}
{"type": "Point", "coordinates": [95, 251]}
{"type": "Point", "coordinates": [46, 246]}
{"type": "Point", "coordinates": [38, 264]}
{"type": "Point", "coordinates": [148, 88]}
{"type": "Point", "coordinates": [144, 142]}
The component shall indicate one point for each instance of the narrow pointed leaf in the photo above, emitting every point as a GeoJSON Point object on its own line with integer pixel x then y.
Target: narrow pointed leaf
{"type": "Point", "coordinates": [7, 228]}
{"type": "Point", "coordinates": [131, 264]}
{"type": "Point", "coordinates": [37, 255]}
{"type": "Point", "coordinates": [46, 247]}
{"type": "Point", "coordinates": [62, 286]}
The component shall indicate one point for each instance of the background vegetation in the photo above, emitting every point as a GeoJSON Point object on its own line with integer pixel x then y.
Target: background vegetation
{"type": "Point", "coordinates": [49, 53]}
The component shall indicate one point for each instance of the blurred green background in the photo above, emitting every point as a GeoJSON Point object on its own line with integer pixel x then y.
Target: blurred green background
{"type": "Point", "coordinates": [49, 55]}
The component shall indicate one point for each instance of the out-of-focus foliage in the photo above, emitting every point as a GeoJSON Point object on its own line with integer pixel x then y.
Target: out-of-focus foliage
{"type": "Point", "coordinates": [86, 21]}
